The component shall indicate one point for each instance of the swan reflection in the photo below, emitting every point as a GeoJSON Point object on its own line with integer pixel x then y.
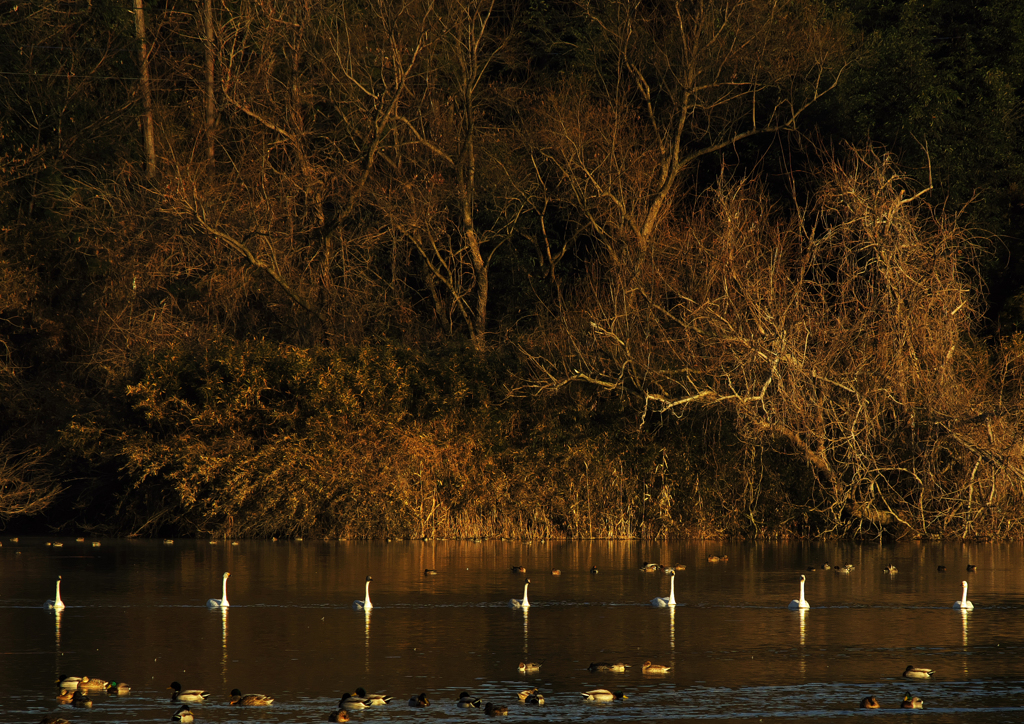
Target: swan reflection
{"type": "Point", "coordinates": [224, 642]}
{"type": "Point", "coordinates": [672, 629]}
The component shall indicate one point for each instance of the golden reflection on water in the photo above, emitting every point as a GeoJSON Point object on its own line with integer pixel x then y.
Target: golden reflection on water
{"type": "Point", "coordinates": [224, 643]}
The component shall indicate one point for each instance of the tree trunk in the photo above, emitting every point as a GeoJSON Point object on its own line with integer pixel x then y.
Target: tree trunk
{"type": "Point", "coordinates": [211, 98]}
{"type": "Point", "coordinates": [147, 100]}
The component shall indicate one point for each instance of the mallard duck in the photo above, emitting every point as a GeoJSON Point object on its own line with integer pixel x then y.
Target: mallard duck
{"type": "Point", "coordinates": [69, 682]}
{"type": "Point", "coordinates": [221, 602]}
{"type": "Point", "coordinates": [118, 688]}
{"type": "Point", "coordinates": [65, 696]}
{"type": "Point", "coordinates": [963, 604]}
{"type": "Point", "coordinates": [519, 569]}
{"type": "Point", "coordinates": [419, 701]}
{"type": "Point", "coordinates": [526, 667]}
{"type": "Point", "coordinates": [713, 559]}
{"type": "Point", "coordinates": [556, 572]}
{"type": "Point", "coordinates": [942, 569]}
{"type": "Point", "coordinates": [523, 602]}
{"type": "Point", "coordinates": [800, 602]}
{"type": "Point", "coordinates": [338, 715]}
{"type": "Point", "coordinates": [913, 672]}
{"type": "Point", "coordinates": [495, 709]}
{"type": "Point", "coordinates": [911, 702]}
{"type": "Point", "coordinates": [467, 701]}
{"type": "Point", "coordinates": [869, 702]}
{"type": "Point", "coordinates": [351, 702]}
{"type": "Point", "coordinates": [811, 568]}
{"type": "Point", "coordinates": [429, 572]}
{"type": "Point", "coordinates": [55, 604]}
{"type": "Point", "coordinates": [605, 666]}
{"type": "Point", "coordinates": [535, 698]}
{"type": "Point", "coordinates": [593, 569]}
{"type": "Point", "coordinates": [526, 693]}
{"type": "Point", "coordinates": [183, 714]}
{"type": "Point", "coordinates": [90, 684]}
{"type": "Point", "coordinates": [825, 566]}
{"type": "Point", "coordinates": [373, 699]}
{"type": "Point", "coordinates": [650, 668]}
{"type": "Point", "coordinates": [680, 566]}
{"type": "Point", "coordinates": [603, 695]}
{"type": "Point", "coordinates": [188, 694]}
{"type": "Point", "coordinates": [365, 604]}
{"type": "Point", "coordinates": [51, 719]}
{"type": "Point", "coordinates": [239, 699]}
{"type": "Point", "coordinates": [80, 698]}
{"type": "Point", "coordinates": [650, 567]}
{"type": "Point", "coordinates": [971, 568]}
{"type": "Point", "coordinates": [890, 569]}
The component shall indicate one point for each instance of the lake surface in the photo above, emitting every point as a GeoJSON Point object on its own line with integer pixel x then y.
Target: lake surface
{"type": "Point", "coordinates": [136, 613]}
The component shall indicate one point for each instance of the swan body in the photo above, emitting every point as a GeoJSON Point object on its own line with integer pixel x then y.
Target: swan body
{"type": "Point", "coordinates": [56, 604]}
{"type": "Point", "coordinates": [221, 602]}
{"type": "Point", "coordinates": [365, 604]}
{"type": "Point", "coordinates": [800, 602]}
{"type": "Point", "coordinates": [238, 699]}
{"type": "Point", "coordinates": [650, 668]}
{"type": "Point", "coordinates": [671, 600]}
{"type": "Point", "coordinates": [183, 714]}
{"type": "Point", "coordinates": [373, 699]}
{"type": "Point", "coordinates": [523, 602]}
{"type": "Point", "coordinates": [466, 701]}
{"type": "Point", "coordinates": [913, 672]}
{"type": "Point", "coordinates": [963, 604]}
{"type": "Point", "coordinates": [603, 695]}
{"type": "Point", "coordinates": [193, 695]}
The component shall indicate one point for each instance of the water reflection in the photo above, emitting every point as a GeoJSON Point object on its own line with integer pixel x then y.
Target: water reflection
{"type": "Point", "coordinates": [224, 642]}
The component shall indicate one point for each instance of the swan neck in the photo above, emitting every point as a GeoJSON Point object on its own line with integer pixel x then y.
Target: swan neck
{"type": "Point", "coordinates": [224, 592]}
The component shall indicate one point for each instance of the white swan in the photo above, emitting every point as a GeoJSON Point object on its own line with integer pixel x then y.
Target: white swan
{"type": "Point", "coordinates": [365, 604]}
{"type": "Point", "coordinates": [800, 602]}
{"type": "Point", "coordinates": [523, 602]}
{"type": "Point", "coordinates": [671, 600]}
{"type": "Point", "coordinates": [963, 604]}
{"type": "Point", "coordinates": [221, 602]}
{"type": "Point", "coordinates": [56, 604]}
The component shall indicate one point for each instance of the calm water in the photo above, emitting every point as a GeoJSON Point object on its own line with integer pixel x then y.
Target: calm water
{"type": "Point", "coordinates": [135, 613]}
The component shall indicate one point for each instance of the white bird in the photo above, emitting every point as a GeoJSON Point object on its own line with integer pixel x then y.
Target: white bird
{"type": "Point", "coordinates": [56, 604]}
{"type": "Point", "coordinates": [671, 600]}
{"type": "Point", "coordinates": [221, 602]}
{"type": "Point", "coordinates": [365, 604]}
{"type": "Point", "coordinates": [800, 602]}
{"type": "Point", "coordinates": [523, 602]}
{"type": "Point", "coordinates": [963, 604]}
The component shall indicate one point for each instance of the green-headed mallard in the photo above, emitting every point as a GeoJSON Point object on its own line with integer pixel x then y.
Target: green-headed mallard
{"type": "Point", "coordinates": [372, 699]}
{"type": "Point", "coordinates": [468, 701]}
{"type": "Point", "coordinates": [118, 687]}
{"type": "Point", "coordinates": [911, 702]}
{"type": "Point", "coordinates": [239, 699]}
{"type": "Point", "coordinates": [183, 714]}
{"type": "Point", "coordinates": [603, 695]}
{"type": "Point", "coordinates": [913, 672]}
{"type": "Point", "coordinates": [191, 695]}
{"type": "Point", "coordinates": [419, 701]}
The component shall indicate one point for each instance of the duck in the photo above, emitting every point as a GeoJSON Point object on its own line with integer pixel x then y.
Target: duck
{"type": "Point", "coordinates": [193, 695]}
{"type": "Point", "coordinates": [680, 566]}
{"type": "Point", "coordinates": [69, 682]}
{"type": "Point", "coordinates": [825, 566]}
{"type": "Point", "coordinates": [183, 714]}
{"type": "Point", "coordinates": [523, 602]}
{"type": "Point", "coordinates": [713, 559]}
{"type": "Point", "coordinates": [869, 702]}
{"type": "Point", "coordinates": [90, 684]}
{"type": "Point", "coordinates": [650, 567]}
{"type": "Point", "coordinates": [81, 699]}
{"type": "Point", "coordinates": [118, 687]}
{"type": "Point", "coordinates": [650, 668]}
{"type": "Point", "coordinates": [55, 604]}
{"type": "Point", "coordinates": [593, 569]}
{"type": "Point", "coordinates": [526, 667]}
{"type": "Point", "coordinates": [65, 696]}
{"type": "Point", "coordinates": [971, 568]}
{"type": "Point", "coordinates": [221, 602]}
{"type": "Point", "coordinates": [239, 699]}
{"type": "Point", "coordinates": [603, 695]}
{"type": "Point", "coordinates": [556, 572]}
{"type": "Point", "coordinates": [800, 602]}
{"type": "Point", "coordinates": [890, 569]}
{"type": "Point", "coordinates": [495, 709]}
{"type": "Point", "coordinates": [365, 604]}
{"type": "Point", "coordinates": [467, 701]}
{"type": "Point", "coordinates": [535, 698]}
{"type": "Point", "coordinates": [50, 719]}
{"type": "Point", "coordinates": [526, 693]}
{"type": "Point", "coordinates": [373, 699]}
{"type": "Point", "coordinates": [419, 701]}
{"type": "Point", "coordinates": [605, 666]}
{"type": "Point", "coordinates": [942, 569]}
{"type": "Point", "coordinates": [913, 672]}
{"type": "Point", "coordinates": [429, 572]}
{"type": "Point", "coordinates": [519, 569]}
{"type": "Point", "coordinates": [338, 715]}
{"type": "Point", "coordinates": [844, 568]}
{"type": "Point", "coordinates": [911, 702]}
{"type": "Point", "coordinates": [671, 600]}
{"type": "Point", "coordinates": [351, 702]}
{"type": "Point", "coordinates": [963, 604]}
{"type": "Point", "coordinates": [811, 568]}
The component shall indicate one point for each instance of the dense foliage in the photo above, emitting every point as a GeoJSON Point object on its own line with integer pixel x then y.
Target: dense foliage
{"type": "Point", "coordinates": [371, 269]}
